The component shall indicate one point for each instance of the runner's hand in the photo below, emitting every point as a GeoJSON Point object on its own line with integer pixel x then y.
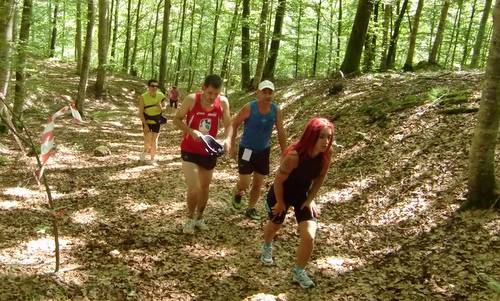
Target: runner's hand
{"type": "Point", "coordinates": [312, 207]}
{"type": "Point", "coordinates": [279, 209]}
{"type": "Point", "coordinates": [146, 128]}
{"type": "Point", "coordinates": [196, 135]}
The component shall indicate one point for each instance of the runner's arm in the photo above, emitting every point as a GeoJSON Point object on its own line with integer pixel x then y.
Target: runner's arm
{"type": "Point", "coordinates": [181, 113]}
{"type": "Point", "coordinates": [237, 120]}
{"type": "Point", "coordinates": [288, 164]}
{"type": "Point", "coordinates": [140, 105]}
{"type": "Point", "coordinates": [281, 130]}
{"type": "Point", "coordinates": [226, 120]}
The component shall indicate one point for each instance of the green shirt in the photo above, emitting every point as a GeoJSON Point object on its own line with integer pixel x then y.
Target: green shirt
{"type": "Point", "coordinates": [152, 101]}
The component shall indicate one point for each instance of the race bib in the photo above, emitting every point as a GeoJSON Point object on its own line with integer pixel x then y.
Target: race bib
{"type": "Point", "coordinates": [247, 153]}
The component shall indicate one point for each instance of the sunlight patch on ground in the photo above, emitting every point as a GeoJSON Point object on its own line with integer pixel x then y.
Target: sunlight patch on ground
{"type": "Point", "coordinates": [133, 134]}
{"type": "Point", "coordinates": [114, 123]}
{"type": "Point", "coordinates": [493, 228]}
{"type": "Point", "coordinates": [353, 188]}
{"type": "Point", "coordinates": [336, 265]}
{"type": "Point", "coordinates": [85, 216]}
{"type": "Point", "coordinates": [406, 209]}
{"type": "Point", "coordinates": [266, 297]}
{"type": "Point", "coordinates": [348, 153]}
{"type": "Point", "coordinates": [175, 164]}
{"type": "Point", "coordinates": [21, 192]}
{"type": "Point", "coordinates": [202, 251]}
{"type": "Point", "coordinates": [289, 98]}
{"type": "Point", "coordinates": [35, 252]}
{"type": "Point", "coordinates": [131, 173]}
{"type": "Point", "coordinates": [9, 205]}
{"type": "Point", "coordinates": [139, 207]}
{"type": "Point", "coordinates": [353, 95]}
{"type": "Point", "coordinates": [225, 176]}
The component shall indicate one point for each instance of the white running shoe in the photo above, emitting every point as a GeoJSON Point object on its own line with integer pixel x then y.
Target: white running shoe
{"type": "Point", "coordinates": [200, 224]}
{"type": "Point", "coordinates": [189, 225]}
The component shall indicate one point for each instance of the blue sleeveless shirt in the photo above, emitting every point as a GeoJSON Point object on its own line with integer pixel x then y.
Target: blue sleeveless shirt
{"type": "Point", "coordinates": [258, 128]}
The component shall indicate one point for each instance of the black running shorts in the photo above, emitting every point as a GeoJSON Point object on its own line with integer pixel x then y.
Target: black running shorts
{"type": "Point", "coordinates": [206, 162]}
{"type": "Point", "coordinates": [259, 162]}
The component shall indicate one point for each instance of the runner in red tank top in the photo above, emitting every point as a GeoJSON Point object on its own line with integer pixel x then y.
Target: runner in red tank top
{"type": "Point", "coordinates": [198, 115]}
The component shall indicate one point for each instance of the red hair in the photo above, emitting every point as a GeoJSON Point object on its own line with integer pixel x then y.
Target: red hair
{"type": "Point", "coordinates": [306, 143]}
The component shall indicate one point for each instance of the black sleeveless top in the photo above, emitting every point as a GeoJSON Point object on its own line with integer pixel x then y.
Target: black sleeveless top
{"type": "Point", "coordinates": [298, 183]}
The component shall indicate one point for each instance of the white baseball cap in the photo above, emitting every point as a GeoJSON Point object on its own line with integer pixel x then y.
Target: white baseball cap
{"type": "Point", "coordinates": [266, 84]}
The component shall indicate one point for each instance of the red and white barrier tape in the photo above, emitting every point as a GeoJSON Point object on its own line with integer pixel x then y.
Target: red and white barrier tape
{"type": "Point", "coordinates": [46, 148]}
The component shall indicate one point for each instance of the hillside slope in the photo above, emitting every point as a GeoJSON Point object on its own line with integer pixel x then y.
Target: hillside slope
{"type": "Point", "coordinates": [389, 228]}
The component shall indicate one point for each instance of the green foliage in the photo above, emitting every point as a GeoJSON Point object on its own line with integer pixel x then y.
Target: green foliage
{"type": "Point", "coordinates": [102, 115]}
{"type": "Point", "coordinates": [443, 97]}
{"type": "Point", "coordinates": [378, 110]}
{"type": "Point", "coordinates": [3, 160]}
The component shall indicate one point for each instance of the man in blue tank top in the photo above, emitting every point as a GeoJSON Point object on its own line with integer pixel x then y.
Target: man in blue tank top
{"type": "Point", "coordinates": [259, 118]}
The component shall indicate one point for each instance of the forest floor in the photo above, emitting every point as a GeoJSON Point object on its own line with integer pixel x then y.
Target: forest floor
{"type": "Point", "coordinates": [390, 228]}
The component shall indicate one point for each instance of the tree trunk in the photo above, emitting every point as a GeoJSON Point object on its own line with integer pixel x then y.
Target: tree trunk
{"type": "Point", "coordinates": [133, 69]}
{"type": "Point", "coordinates": [218, 7]}
{"type": "Point", "coordinates": [126, 48]}
{"type": "Point", "coordinates": [454, 38]}
{"type": "Point", "coordinates": [339, 34]}
{"type": "Point", "coordinates": [230, 43]}
{"type": "Point", "coordinates": [476, 52]}
{"type": "Point", "coordinates": [245, 47]}
{"type": "Point", "coordinates": [102, 46]}
{"type": "Point", "coordinates": [391, 54]}
{"type": "Point", "coordinates": [467, 36]}
{"type": "Point", "coordinates": [179, 55]}
{"type": "Point", "coordinates": [385, 35]}
{"type": "Point", "coordinates": [153, 42]}
{"type": "Point", "coordinates": [78, 36]}
{"type": "Point", "coordinates": [485, 53]}
{"type": "Point", "coordinates": [297, 41]}
{"type": "Point", "coordinates": [190, 48]}
{"type": "Point", "coordinates": [330, 39]}
{"type": "Point", "coordinates": [408, 66]}
{"type": "Point", "coordinates": [261, 57]}
{"type": "Point", "coordinates": [440, 32]}
{"type": "Point", "coordinates": [6, 23]}
{"type": "Point", "coordinates": [275, 43]}
{"type": "Point", "coordinates": [164, 44]}
{"type": "Point", "coordinates": [371, 41]}
{"type": "Point", "coordinates": [352, 57]}
{"type": "Point", "coordinates": [482, 185]}
{"type": "Point", "coordinates": [21, 59]}
{"type": "Point", "coordinates": [53, 36]}
{"type": "Point", "coordinates": [115, 32]}
{"type": "Point", "coordinates": [316, 45]}
{"type": "Point", "coordinates": [87, 53]}
{"type": "Point", "coordinates": [198, 46]}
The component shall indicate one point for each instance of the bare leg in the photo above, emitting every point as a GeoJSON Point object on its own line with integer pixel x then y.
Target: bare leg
{"type": "Point", "coordinates": [205, 177]}
{"type": "Point", "coordinates": [257, 182]}
{"type": "Point", "coordinates": [307, 232]}
{"type": "Point", "coordinates": [153, 144]}
{"type": "Point", "coordinates": [270, 230]}
{"type": "Point", "coordinates": [191, 171]}
{"type": "Point", "coordinates": [147, 145]}
{"type": "Point", "coordinates": [242, 185]}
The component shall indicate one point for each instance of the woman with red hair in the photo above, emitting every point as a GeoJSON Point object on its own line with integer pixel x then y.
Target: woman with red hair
{"type": "Point", "coordinates": [301, 173]}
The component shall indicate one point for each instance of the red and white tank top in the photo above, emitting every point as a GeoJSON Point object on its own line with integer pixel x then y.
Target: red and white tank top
{"type": "Point", "coordinates": [205, 121]}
